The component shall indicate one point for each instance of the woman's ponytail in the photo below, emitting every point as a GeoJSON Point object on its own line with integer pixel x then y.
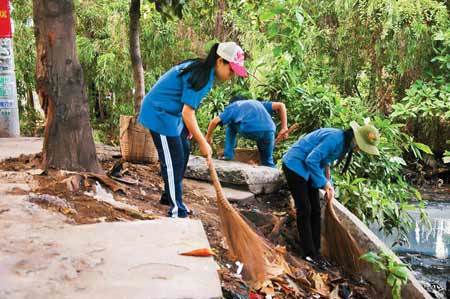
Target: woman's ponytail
{"type": "Point", "coordinates": [200, 69]}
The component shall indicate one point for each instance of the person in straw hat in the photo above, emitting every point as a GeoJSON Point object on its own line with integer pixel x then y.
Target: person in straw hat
{"type": "Point", "coordinates": [306, 166]}
{"type": "Point", "coordinates": [168, 111]}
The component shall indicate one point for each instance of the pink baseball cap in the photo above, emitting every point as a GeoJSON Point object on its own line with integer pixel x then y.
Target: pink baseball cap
{"type": "Point", "coordinates": [232, 53]}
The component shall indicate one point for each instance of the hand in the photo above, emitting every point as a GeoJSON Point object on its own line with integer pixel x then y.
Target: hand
{"type": "Point", "coordinates": [329, 195]}
{"type": "Point", "coordinates": [283, 134]}
{"type": "Point", "coordinates": [189, 136]}
{"type": "Point", "coordinates": [208, 139]}
{"type": "Point", "coordinates": [205, 149]}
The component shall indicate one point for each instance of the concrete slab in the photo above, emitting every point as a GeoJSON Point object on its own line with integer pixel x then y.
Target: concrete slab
{"type": "Point", "coordinates": [207, 189]}
{"type": "Point", "coordinates": [43, 257]}
{"type": "Point", "coordinates": [14, 147]}
{"type": "Point", "coordinates": [256, 179]}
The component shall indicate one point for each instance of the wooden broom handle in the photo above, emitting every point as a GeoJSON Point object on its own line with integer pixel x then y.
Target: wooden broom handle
{"type": "Point", "coordinates": [215, 180]}
{"type": "Point", "coordinates": [289, 131]}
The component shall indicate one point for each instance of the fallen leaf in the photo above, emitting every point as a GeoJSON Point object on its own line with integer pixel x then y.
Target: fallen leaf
{"type": "Point", "coordinates": [269, 291]}
{"type": "Point", "coordinates": [335, 293]}
{"type": "Point", "coordinates": [319, 284]}
{"type": "Point", "coordinates": [202, 252]}
{"type": "Point", "coordinates": [279, 213]}
{"type": "Point", "coordinates": [281, 249]}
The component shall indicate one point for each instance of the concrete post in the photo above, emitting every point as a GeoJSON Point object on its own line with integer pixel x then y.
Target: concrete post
{"type": "Point", "coordinates": [9, 110]}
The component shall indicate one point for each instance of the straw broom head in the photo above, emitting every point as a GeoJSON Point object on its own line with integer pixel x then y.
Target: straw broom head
{"type": "Point", "coordinates": [342, 246]}
{"type": "Point", "coordinates": [244, 244]}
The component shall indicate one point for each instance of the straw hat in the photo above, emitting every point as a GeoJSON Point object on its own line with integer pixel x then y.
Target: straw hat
{"type": "Point", "coordinates": [367, 137]}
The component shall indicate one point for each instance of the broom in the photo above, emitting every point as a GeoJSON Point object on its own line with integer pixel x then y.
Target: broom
{"type": "Point", "coordinates": [342, 247]}
{"type": "Point", "coordinates": [244, 244]}
{"type": "Point", "coordinates": [289, 131]}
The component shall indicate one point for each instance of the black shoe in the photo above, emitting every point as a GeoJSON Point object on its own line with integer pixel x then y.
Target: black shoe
{"type": "Point", "coordinates": [319, 261]}
{"type": "Point", "coordinates": [164, 200]}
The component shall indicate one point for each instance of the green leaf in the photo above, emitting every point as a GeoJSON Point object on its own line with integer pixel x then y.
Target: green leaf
{"type": "Point", "coordinates": [370, 257]}
{"type": "Point", "coordinates": [299, 17]}
{"type": "Point", "coordinates": [391, 280]}
{"type": "Point", "coordinates": [277, 51]}
{"type": "Point", "coordinates": [267, 15]}
{"type": "Point", "coordinates": [397, 160]}
{"type": "Point", "coordinates": [400, 271]}
{"type": "Point", "coordinates": [424, 148]}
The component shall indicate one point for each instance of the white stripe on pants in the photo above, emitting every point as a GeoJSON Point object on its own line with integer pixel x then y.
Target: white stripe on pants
{"type": "Point", "coordinates": [170, 176]}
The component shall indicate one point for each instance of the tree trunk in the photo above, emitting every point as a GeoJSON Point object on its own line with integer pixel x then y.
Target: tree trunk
{"type": "Point", "coordinates": [30, 100]}
{"type": "Point", "coordinates": [219, 31]}
{"type": "Point", "coordinates": [68, 141]}
{"type": "Point", "coordinates": [135, 53]}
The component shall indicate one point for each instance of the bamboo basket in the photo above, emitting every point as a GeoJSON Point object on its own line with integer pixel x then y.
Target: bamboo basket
{"type": "Point", "coordinates": [136, 143]}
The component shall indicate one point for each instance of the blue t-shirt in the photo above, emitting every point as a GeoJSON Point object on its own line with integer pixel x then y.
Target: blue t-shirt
{"type": "Point", "coordinates": [308, 156]}
{"type": "Point", "coordinates": [249, 116]}
{"type": "Point", "coordinates": [162, 106]}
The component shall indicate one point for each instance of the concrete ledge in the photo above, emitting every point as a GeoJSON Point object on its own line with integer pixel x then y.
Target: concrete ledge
{"type": "Point", "coordinates": [14, 147]}
{"type": "Point", "coordinates": [256, 179]}
{"type": "Point", "coordinates": [368, 241]}
{"type": "Point", "coordinates": [41, 256]}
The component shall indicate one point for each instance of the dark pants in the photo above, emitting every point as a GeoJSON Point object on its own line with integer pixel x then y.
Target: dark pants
{"type": "Point", "coordinates": [173, 153]}
{"type": "Point", "coordinates": [265, 140]}
{"type": "Point", "coordinates": [307, 204]}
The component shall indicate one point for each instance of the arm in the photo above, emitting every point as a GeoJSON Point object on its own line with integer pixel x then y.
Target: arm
{"type": "Point", "coordinates": [190, 121]}
{"type": "Point", "coordinates": [328, 172]}
{"type": "Point", "coordinates": [211, 127]}
{"type": "Point", "coordinates": [329, 189]}
{"type": "Point", "coordinates": [313, 160]}
{"type": "Point", "coordinates": [281, 109]}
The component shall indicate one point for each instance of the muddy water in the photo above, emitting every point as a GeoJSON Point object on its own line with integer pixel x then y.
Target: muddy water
{"type": "Point", "coordinates": [429, 247]}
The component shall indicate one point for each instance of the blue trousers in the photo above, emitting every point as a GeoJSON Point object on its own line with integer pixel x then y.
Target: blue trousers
{"type": "Point", "coordinates": [173, 153]}
{"type": "Point", "coordinates": [265, 141]}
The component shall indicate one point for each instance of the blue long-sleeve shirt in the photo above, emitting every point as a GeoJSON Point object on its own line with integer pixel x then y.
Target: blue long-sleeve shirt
{"type": "Point", "coordinates": [308, 156]}
{"type": "Point", "coordinates": [161, 109]}
{"type": "Point", "coordinates": [249, 116]}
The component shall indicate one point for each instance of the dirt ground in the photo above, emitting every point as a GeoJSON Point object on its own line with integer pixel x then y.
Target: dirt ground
{"type": "Point", "coordinates": [271, 216]}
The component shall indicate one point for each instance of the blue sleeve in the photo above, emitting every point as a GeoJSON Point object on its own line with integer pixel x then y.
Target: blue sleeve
{"type": "Point", "coordinates": [191, 97]}
{"type": "Point", "coordinates": [268, 106]}
{"type": "Point", "coordinates": [227, 115]}
{"type": "Point", "coordinates": [314, 160]}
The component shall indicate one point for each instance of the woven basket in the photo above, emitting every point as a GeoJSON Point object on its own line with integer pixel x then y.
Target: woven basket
{"type": "Point", "coordinates": [136, 143]}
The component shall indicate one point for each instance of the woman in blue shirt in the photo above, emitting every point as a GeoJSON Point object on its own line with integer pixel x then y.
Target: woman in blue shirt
{"type": "Point", "coordinates": [168, 111]}
{"type": "Point", "coordinates": [253, 120]}
{"type": "Point", "coordinates": [306, 166]}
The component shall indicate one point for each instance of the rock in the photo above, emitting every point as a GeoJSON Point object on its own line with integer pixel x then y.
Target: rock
{"type": "Point", "coordinates": [256, 179]}
{"type": "Point", "coordinates": [49, 200]}
{"type": "Point", "coordinates": [259, 218]}
{"type": "Point", "coordinates": [207, 189]}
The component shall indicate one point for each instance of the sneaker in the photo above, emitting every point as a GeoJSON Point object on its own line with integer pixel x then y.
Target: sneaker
{"type": "Point", "coordinates": [223, 158]}
{"type": "Point", "coordinates": [179, 215]}
{"type": "Point", "coordinates": [319, 261]}
{"type": "Point", "coordinates": [164, 200]}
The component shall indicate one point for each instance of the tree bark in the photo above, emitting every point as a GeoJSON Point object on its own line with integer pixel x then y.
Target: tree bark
{"type": "Point", "coordinates": [135, 53]}
{"type": "Point", "coordinates": [68, 141]}
{"type": "Point", "coordinates": [219, 30]}
{"type": "Point", "coordinates": [30, 102]}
